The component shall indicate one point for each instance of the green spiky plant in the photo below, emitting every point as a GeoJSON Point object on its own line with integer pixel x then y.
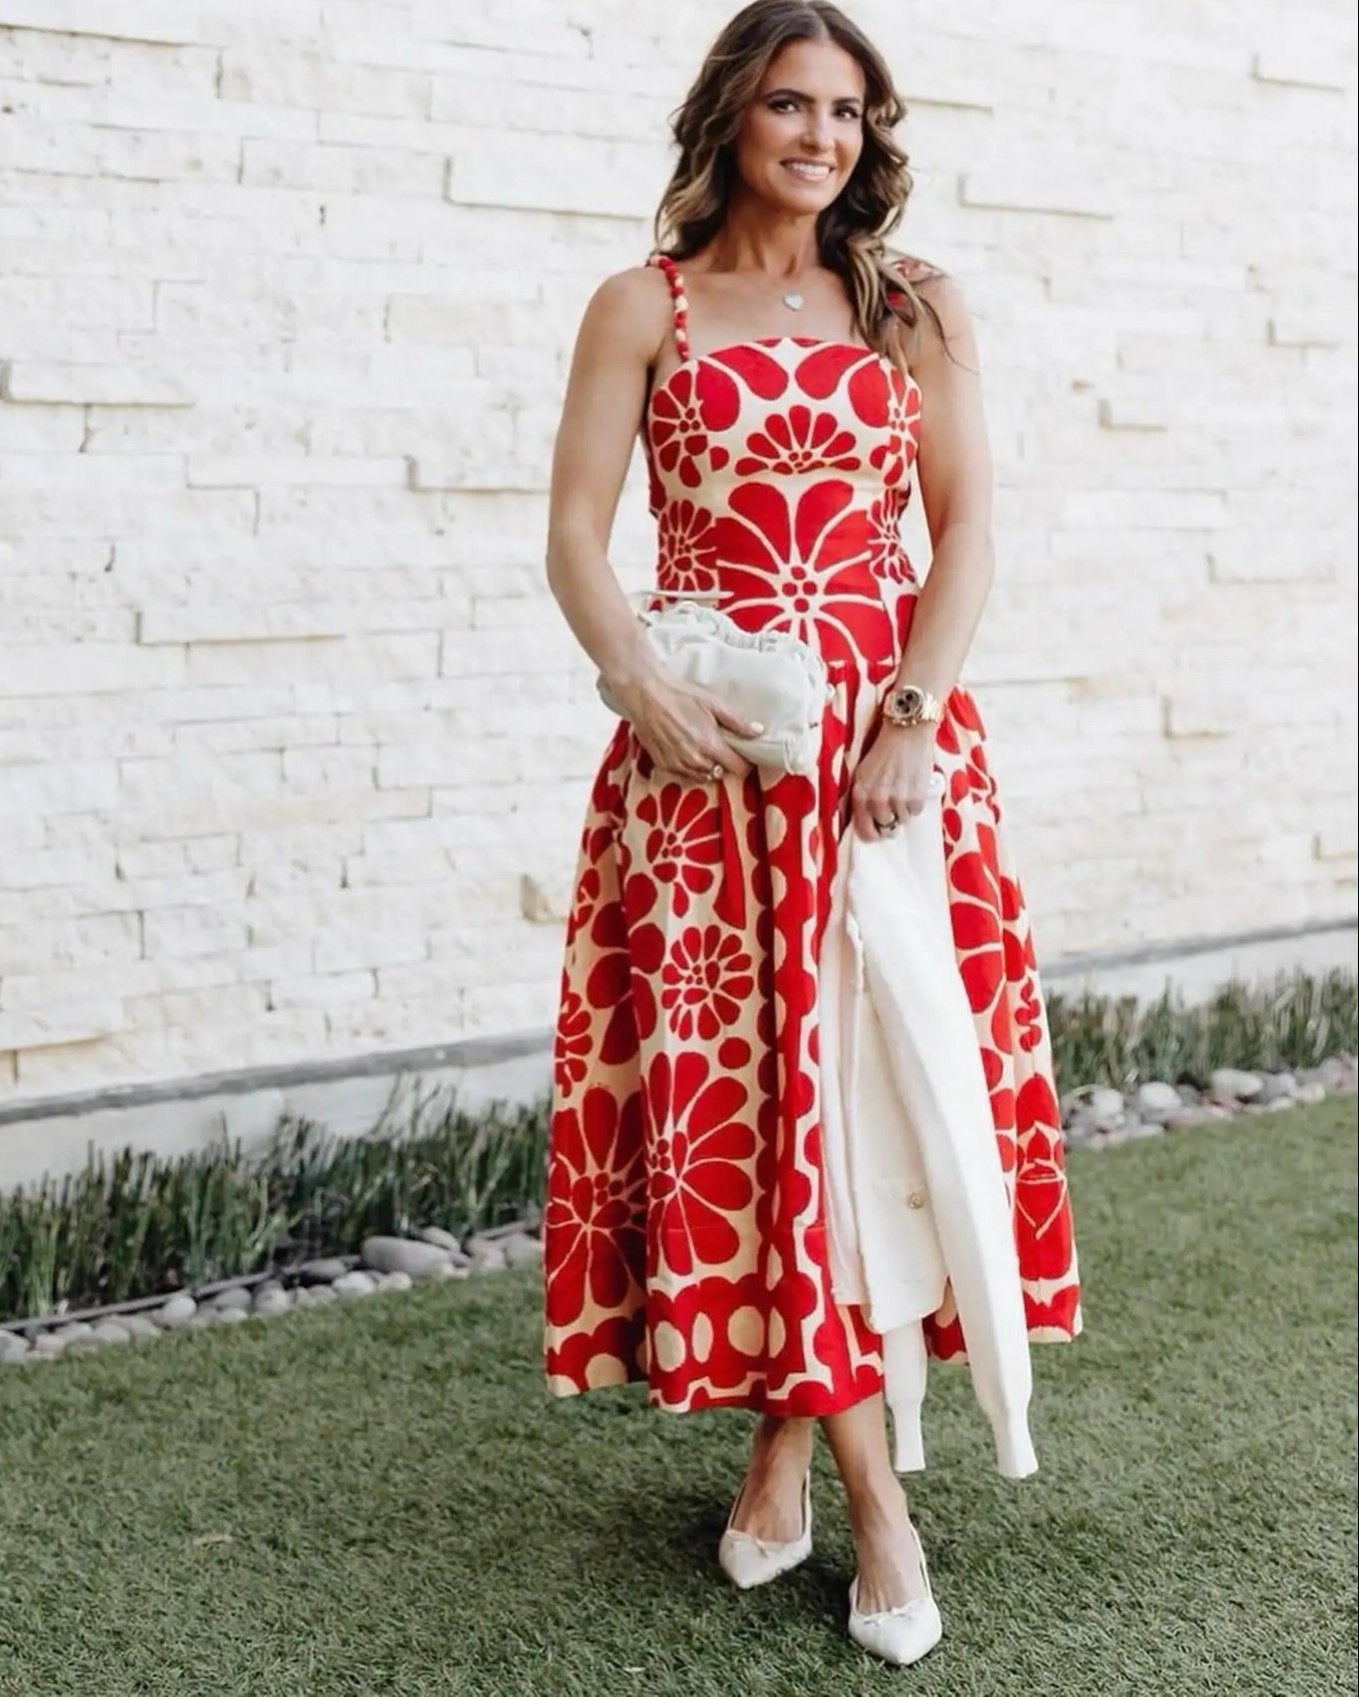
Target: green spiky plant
{"type": "Point", "coordinates": [1295, 1021]}
{"type": "Point", "coordinates": [132, 1225]}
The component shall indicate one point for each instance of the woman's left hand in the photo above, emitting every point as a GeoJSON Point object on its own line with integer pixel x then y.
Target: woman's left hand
{"type": "Point", "coordinates": [893, 779]}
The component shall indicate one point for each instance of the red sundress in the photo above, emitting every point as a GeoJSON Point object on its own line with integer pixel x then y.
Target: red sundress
{"type": "Point", "coordinates": [685, 1236]}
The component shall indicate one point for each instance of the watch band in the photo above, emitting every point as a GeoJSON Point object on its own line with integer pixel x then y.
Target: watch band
{"type": "Point", "coordinates": [909, 704]}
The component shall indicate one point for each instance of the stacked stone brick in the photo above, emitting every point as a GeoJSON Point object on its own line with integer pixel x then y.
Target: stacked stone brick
{"type": "Point", "coordinates": [293, 742]}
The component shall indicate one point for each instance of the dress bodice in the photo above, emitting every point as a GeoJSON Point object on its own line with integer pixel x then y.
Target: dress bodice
{"type": "Point", "coordinates": [779, 472]}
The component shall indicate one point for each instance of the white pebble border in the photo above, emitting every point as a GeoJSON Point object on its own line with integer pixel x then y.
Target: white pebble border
{"type": "Point", "coordinates": [1093, 1117]}
{"type": "Point", "coordinates": [382, 1264]}
{"type": "Point", "coordinates": [1097, 1116]}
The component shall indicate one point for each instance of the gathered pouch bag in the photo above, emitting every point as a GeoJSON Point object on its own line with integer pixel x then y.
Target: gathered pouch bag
{"type": "Point", "coordinates": [770, 677]}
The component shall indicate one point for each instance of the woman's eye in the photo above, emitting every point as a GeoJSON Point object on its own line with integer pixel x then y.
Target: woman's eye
{"type": "Point", "coordinates": [784, 103]}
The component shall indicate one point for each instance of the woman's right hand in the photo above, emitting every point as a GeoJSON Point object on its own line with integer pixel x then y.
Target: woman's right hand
{"type": "Point", "coordinates": [681, 727]}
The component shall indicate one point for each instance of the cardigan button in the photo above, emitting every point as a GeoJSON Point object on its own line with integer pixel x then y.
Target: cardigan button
{"type": "Point", "coordinates": [916, 1199]}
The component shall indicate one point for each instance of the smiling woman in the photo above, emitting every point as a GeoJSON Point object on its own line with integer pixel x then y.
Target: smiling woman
{"type": "Point", "coordinates": [804, 1131]}
{"type": "Point", "coordinates": [814, 139]}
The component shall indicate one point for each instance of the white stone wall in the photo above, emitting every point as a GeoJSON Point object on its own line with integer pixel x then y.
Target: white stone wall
{"type": "Point", "coordinates": [293, 743]}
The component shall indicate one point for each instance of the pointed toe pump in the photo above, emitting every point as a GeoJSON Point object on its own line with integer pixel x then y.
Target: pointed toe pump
{"type": "Point", "coordinates": [748, 1561]}
{"type": "Point", "coordinates": [904, 1634]}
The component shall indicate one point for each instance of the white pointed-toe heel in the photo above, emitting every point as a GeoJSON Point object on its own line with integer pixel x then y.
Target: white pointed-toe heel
{"type": "Point", "coordinates": [748, 1561]}
{"type": "Point", "coordinates": [904, 1634]}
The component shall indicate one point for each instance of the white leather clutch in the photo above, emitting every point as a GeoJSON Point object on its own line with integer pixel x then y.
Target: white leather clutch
{"type": "Point", "coordinates": [773, 678]}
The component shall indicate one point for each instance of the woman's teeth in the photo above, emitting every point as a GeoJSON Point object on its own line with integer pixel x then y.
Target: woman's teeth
{"type": "Point", "coordinates": [809, 173]}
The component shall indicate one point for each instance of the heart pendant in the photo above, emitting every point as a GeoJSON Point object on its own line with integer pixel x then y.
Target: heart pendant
{"type": "Point", "coordinates": [796, 302]}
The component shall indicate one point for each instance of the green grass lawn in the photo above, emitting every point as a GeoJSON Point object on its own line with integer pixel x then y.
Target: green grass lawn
{"type": "Point", "coordinates": [381, 1499]}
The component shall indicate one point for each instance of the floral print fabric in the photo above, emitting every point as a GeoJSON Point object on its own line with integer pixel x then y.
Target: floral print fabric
{"type": "Point", "coordinates": [685, 1239]}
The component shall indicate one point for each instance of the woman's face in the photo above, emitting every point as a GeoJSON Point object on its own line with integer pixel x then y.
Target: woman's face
{"type": "Point", "coordinates": [801, 136]}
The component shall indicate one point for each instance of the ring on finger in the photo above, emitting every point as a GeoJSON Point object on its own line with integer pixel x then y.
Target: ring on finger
{"type": "Point", "coordinates": [886, 826]}
{"type": "Point", "coordinates": [717, 771]}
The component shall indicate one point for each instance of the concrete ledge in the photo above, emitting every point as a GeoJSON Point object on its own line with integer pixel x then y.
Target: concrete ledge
{"type": "Point", "coordinates": [469, 1054]}
{"type": "Point", "coordinates": [1197, 966]}
{"type": "Point", "coordinates": [349, 1096]}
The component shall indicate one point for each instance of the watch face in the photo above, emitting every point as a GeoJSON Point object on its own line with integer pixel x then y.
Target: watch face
{"type": "Point", "coordinates": [909, 700]}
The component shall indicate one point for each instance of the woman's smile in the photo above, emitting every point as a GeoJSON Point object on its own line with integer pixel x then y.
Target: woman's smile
{"type": "Point", "coordinates": [808, 170]}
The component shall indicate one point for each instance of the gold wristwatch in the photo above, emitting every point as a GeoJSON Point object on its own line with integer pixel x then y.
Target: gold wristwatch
{"type": "Point", "coordinates": [911, 705]}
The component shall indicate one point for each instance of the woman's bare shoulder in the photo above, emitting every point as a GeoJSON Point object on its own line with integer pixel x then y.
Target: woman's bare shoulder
{"type": "Point", "coordinates": [632, 306]}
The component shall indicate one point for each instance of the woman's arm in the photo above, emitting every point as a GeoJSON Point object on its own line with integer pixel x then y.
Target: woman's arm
{"type": "Point", "coordinates": [605, 395]}
{"type": "Point", "coordinates": [954, 477]}
{"type": "Point", "coordinates": [679, 725]}
{"type": "Point", "coordinates": [954, 474]}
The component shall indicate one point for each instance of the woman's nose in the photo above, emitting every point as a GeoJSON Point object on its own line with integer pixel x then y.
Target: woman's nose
{"type": "Point", "coordinates": [818, 131]}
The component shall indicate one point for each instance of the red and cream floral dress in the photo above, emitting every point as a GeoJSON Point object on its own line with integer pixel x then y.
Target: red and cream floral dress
{"type": "Point", "coordinates": [685, 1234]}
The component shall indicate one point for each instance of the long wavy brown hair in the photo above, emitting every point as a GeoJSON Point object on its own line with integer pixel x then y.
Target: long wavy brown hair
{"type": "Point", "coordinates": [852, 230]}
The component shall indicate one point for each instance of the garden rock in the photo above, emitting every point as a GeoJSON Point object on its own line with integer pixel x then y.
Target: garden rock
{"type": "Point", "coordinates": [523, 1251]}
{"type": "Point", "coordinates": [73, 1332]}
{"type": "Point", "coordinates": [1228, 1083]}
{"type": "Point", "coordinates": [234, 1297]}
{"type": "Point", "coordinates": [355, 1284]}
{"type": "Point", "coordinates": [12, 1348]}
{"type": "Point", "coordinates": [324, 1271]}
{"type": "Point", "coordinates": [178, 1311]}
{"type": "Point", "coordinates": [314, 1296]}
{"type": "Point", "coordinates": [1093, 1103]}
{"type": "Point", "coordinates": [496, 1234]}
{"type": "Point", "coordinates": [1105, 1102]}
{"type": "Point", "coordinates": [1337, 1072]}
{"type": "Point", "coordinates": [230, 1316]}
{"type": "Point", "coordinates": [486, 1255]}
{"type": "Point", "coordinates": [271, 1299]}
{"type": "Point", "coordinates": [1277, 1087]}
{"type": "Point", "coordinates": [395, 1280]}
{"type": "Point", "coordinates": [1310, 1094]}
{"type": "Point", "coordinates": [1088, 1124]}
{"type": "Point", "coordinates": [440, 1239]}
{"type": "Point", "coordinates": [1155, 1100]}
{"type": "Point", "coordinates": [404, 1255]}
{"type": "Point", "coordinates": [139, 1326]}
{"type": "Point", "coordinates": [112, 1331]}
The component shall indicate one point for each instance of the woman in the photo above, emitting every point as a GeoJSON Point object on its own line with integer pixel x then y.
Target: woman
{"type": "Point", "coordinates": [703, 1232]}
